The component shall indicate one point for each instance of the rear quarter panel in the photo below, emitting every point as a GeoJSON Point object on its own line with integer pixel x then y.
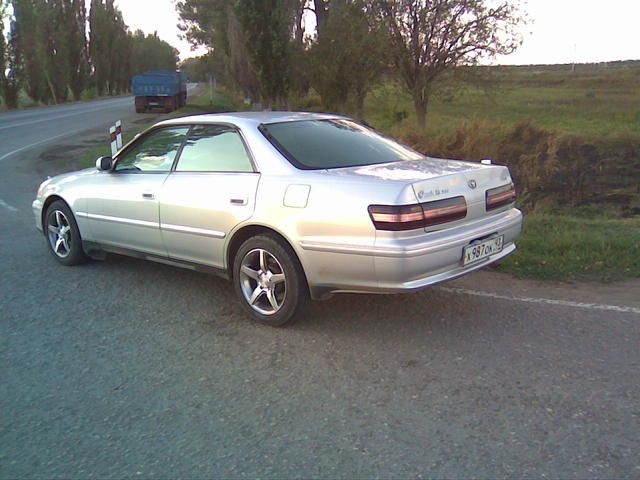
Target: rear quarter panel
{"type": "Point", "coordinates": [333, 225]}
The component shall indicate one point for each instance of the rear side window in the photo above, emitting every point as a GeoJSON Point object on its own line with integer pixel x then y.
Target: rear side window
{"type": "Point", "coordinates": [154, 152]}
{"type": "Point", "coordinates": [214, 148]}
{"type": "Point", "coordinates": [320, 144]}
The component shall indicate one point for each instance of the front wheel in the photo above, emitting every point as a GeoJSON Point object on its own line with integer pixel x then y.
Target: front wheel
{"type": "Point", "coordinates": [63, 235]}
{"type": "Point", "coordinates": [269, 280]}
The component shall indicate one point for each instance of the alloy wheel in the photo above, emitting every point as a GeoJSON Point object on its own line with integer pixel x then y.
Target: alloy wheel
{"type": "Point", "coordinates": [59, 233]}
{"type": "Point", "coordinates": [263, 281]}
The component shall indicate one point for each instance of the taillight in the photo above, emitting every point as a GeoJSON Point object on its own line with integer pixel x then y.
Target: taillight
{"type": "Point", "coordinates": [501, 196]}
{"type": "Point", "coordinates": [397, 217]}
{"type": "Point", "coordinates": [411, 217]}
{"type": "Point", "coordinates": [443, 211]}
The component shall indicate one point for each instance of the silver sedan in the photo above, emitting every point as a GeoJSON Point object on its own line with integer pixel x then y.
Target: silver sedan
{"type": "Point", "coordinates": [289, 206]}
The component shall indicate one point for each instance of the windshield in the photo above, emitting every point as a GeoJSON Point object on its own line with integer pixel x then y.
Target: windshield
{"type": "Point", "coordinates": [336, 143]}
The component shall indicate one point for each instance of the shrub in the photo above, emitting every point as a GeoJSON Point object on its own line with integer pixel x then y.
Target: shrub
{"type": "Point", "coordinates": [550, 168]}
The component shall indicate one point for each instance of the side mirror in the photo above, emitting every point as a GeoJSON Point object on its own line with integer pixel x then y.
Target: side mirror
{"type": "Point", "coordinates": [104, 163]}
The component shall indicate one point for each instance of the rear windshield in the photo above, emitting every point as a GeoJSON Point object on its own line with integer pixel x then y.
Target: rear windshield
{"type": "Point", "coordinates": [336, 143]}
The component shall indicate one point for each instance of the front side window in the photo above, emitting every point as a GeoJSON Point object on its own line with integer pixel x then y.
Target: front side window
{"type": "Point", "coordinates": [214, 148]}
{"type": "Point", "coordinates": [336, 143]}
{"type": "Point", "coordinates": [154, 152]}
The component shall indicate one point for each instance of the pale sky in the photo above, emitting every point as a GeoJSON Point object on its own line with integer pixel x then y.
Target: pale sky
{"type": "Point", "coordinates": [561, 31]}
{"type": "Point", "coordinates": [156, 15]}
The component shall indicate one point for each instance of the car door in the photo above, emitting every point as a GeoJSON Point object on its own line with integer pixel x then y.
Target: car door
{"type": "Point", "coordinates": [211, 190]}
{"type": "Point", "coordinates": [123, 209]}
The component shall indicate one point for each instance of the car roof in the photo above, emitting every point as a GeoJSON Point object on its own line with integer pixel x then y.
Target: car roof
{"type": "Point", "coordinates": [250, 119]}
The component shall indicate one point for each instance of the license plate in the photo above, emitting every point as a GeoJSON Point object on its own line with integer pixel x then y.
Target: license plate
{"type": "Point", "coordinates": [481, 250]}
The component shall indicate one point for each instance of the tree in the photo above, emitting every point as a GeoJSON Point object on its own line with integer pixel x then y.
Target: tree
{"type": "Point", "coordinates": [110, 47]}
{"type": "Point", "coordinates": [28, 40]}
{"type": "Point", "coordinates": [198, 69]}
{"type": "Point", "coordinates": [321, 12]}
{"type": "Point", "coordinates": [77, 53]}
{"type": "Point", "coordinates": [10, 76]}
{"type": "Point", "coordinates": [214, 24]}
{"type": "Point", "coordinates": [349, 56]}
{"type": "Point", "coordinates": [53, 47]}
{"type": "Point", "coordinates": [430, 37]}
{"type": "Point", "coordinates": [3, 50]}
{"type": "Point", "coordinates": [266, 26]}
{"type": "Point", "coordinates": [149, 52]}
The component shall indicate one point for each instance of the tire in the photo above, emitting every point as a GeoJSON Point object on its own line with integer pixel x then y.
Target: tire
{"type": "Point", "coordinates": [276, 300]}
{"type": "Point", "coordinates": [65, 248]}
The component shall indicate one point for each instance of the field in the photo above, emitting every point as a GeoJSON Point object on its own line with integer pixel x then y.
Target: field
{"type": "Point", "coordinates": [598, 103]}
{"type": "Point", "coordinates": [572, 140]}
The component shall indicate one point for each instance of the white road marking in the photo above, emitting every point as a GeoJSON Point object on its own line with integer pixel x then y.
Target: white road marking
{"type": "Point", "coordinates": [546, 301]}
{"type": "Point", "coordinates": [7, 206]}
{"type": "Point", "coordinates": [26, 147]}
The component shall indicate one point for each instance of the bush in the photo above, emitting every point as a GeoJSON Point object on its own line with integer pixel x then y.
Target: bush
{"type": "Point", "coordinates": [550, 168]}
{"type": "Point", "coordinates": [89, 93]}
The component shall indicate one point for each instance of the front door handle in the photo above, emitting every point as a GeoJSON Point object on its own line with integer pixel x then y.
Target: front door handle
{"type": "Point", "coordinates": [238, 201]}
{"type": "Point", "coordinates": [148, 195]}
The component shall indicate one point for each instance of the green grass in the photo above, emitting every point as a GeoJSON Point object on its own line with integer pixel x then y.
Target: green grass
{"type": "Point", "coordinates": [567, 247]}
{"type": "Point", "coordinates": [600, 103]}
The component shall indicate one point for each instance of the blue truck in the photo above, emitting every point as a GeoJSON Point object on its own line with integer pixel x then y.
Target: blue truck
{"type": "Point", "coordinates": [159, 89]}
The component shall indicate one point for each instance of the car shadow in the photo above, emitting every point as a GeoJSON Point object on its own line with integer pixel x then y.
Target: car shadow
{"type": "Point", "coordinates": [412, 314]}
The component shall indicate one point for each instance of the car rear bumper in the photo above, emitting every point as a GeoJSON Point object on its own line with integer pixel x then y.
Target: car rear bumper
{"type": "Point", "coordinates": [407, 264]}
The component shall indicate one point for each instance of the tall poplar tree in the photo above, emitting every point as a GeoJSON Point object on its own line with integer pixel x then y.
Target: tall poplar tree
{"type": "Point", "coordinates": [10, 78]}
{"type": "Point", "coordinates": [28, 40]}
{"type": "Point", "coordinates": [266, 25]}
{"type": "Point", "coordinates": [77, 50]}
{"type": "Point", "coordinates": [3, 50]}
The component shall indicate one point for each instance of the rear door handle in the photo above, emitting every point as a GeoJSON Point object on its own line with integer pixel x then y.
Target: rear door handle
{"type": "Point", "coordinates": [238, 201]}
{"type": "Point", "coordinates": [148, 195]}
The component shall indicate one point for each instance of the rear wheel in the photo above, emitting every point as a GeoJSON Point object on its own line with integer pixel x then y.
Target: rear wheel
{"type": "Point", "coordinates": [63, 236]}
{"type": "Point", "coordinates": [269, 280]}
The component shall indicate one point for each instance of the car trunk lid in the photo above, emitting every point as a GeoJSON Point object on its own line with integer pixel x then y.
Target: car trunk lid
{"type": "Point", "coordinates": [431, 179]}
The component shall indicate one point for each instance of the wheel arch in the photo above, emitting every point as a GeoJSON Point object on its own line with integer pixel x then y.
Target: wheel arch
{"type": "Point", "coordinates": [45, 206]}
{"type": "Point", "coordinates": [247, 231]}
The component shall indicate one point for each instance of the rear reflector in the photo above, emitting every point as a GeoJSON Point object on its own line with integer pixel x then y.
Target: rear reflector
{"type": "Point", "coordinates": [411, 217]}
{"type": "Point", "coordinates": [501, 196]}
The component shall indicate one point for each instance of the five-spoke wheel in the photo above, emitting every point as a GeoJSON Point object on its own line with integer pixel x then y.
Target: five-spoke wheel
{"type": "Point", "coordinates": [269, 280]}
{"type": "Point", "coordinates": [59, 232]}
{"type": "Point", "coordinates": [263, 281]}
{"type": "Point", "coordinates": [63, 235]}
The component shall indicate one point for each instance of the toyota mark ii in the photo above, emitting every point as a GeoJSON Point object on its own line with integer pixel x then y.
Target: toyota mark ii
{"type": "Point", "coordinates": [289, 206]}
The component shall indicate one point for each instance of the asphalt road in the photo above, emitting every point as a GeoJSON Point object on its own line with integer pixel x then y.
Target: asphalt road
{"type": "Point", "coordinates": [124, 368]}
